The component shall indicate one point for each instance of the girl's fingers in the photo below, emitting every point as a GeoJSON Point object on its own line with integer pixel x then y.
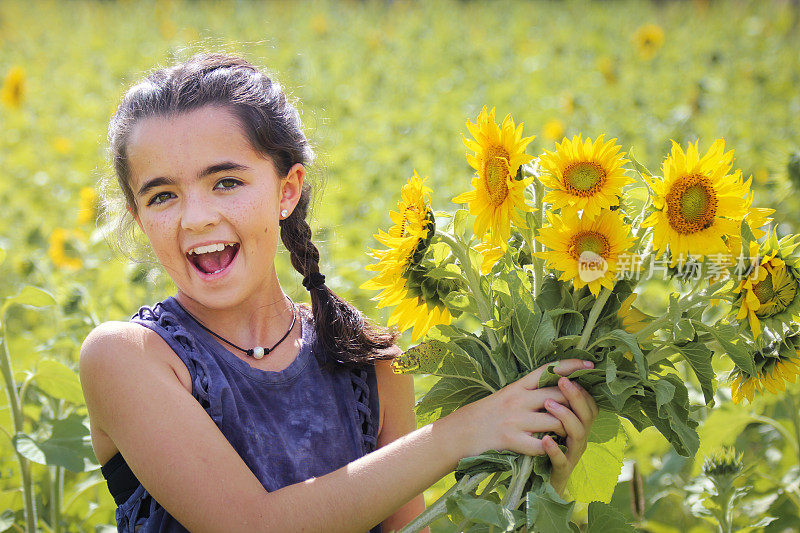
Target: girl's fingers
{"type": "Point", "coordinates": [576, 431]}
{"type": "Point", "coordinates": [564, 367]}
{"type": "Point", "coordinates": [579, 401]}
{"type": "Point", "coordinates": [535, 400]}
{"type": "Point", "coordinates": [545, 423]}
{"type": "Point", "coordinates": [557, 457]}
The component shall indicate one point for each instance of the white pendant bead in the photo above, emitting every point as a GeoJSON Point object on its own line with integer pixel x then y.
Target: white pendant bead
{"type": "Point", "coordinates": [258, 352]}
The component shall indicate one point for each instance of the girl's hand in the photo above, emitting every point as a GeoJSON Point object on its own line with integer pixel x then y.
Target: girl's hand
{"type": "Point", "coordinates": [508, 418]}
{"type": "Point", "coordinates": [577, 421]}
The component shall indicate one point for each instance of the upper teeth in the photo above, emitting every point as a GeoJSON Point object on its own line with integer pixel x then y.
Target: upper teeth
{"type": "Point", "coordinates": [218, 247]}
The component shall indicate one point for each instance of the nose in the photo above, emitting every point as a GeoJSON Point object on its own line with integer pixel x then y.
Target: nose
{"type": "Point", "coordinates": [198, 214]}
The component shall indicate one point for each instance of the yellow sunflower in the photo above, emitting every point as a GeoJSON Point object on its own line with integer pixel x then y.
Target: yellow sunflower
{"type": "Point", "coordinates": [756, 218]}
{"type": "Point", "coordinates": [553, 129]}
{"type": "Point", "coordinates": [584, 175]}
{"type": "Point", "coordinates": [406, 243]}
{"type": "Point", "coordinates": [497, 194]}
{"type": "Point", "coordinates": [13, 88]}
{"type": "Point", "coordinates": [771, 293]}
{"type": "Point", "coordinates": [88, 205]}
{"type": "Point", "coordinates": [61, 249]}
{"type": "Point", "coordinates": [698, 204]}
{"type": "Point", "coordinates": [648, 39]}
{"type": "Point", "coordinates": [491, 254]}
{"type": "Point", "coordinates": [585, 249]}
{"type": "Point", "coordinates": [772, 375]}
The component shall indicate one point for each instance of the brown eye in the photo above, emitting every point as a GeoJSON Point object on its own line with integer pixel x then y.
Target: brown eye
{"type": "Point", "coordinates": [159, 198]}
{"type": "Point", "coordinates": [227, 183]}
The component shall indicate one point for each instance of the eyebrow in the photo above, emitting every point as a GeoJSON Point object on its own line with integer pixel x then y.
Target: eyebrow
{"type": "Point", "coordinates": [212, 169]}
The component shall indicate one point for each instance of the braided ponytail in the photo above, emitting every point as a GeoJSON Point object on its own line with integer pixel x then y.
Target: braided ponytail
{"type": "Point", "coordinates": [342, 330]}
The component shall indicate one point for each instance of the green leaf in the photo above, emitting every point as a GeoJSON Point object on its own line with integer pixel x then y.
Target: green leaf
{"type": "Point", "coordinates": [458, 301]}
{"type": "Point", "coordinates": [621, 338]}
{"type": "Point", "coordinates": [547, 512]}
{"type": "Point", "coordinates": [525, 319]}
{"type": "Point", "coordinates": [605, 519]}
{"type": "Point", "coordinates": [445, 396]}
{"type": "Point", "coordinates": [665, 391]}
{"type": "Point", "coordinates": [482, 511]}
{"type": "Point", "coordinates": [699, 358]}
{"type": "Point", "coordinates": [488, 461]}
{"type": "Point", "coordinates": [738, 353]}
{"type": "Point", "coordinates": [683, 331]}
{"type": "Point", "coordinates": [596, 473]}
{"type": "Point", "coordinates": [606, 426]}
{"type": "Point", "coordinates": [460, 222]}
{"type": "Point", "coordinates": [549, 296]}
{"type": "Point", "coordinates": [673, 420]}
{"type": "Point", "coordinates": [543, 345]}
{"type": "Point", "coordinates": [29, 295]}
{"type": "Point", "coordinates": [747, 235]}
{"type": "Point", "coordinates": [58, 381]}
{"type": "Point", "coordinates": [68, 445]}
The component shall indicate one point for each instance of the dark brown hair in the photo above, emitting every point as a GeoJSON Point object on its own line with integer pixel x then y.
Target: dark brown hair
{"type": "Point", "coordinates": [272, 125]}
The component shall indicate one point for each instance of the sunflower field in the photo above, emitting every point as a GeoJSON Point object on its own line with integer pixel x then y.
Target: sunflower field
{"type": "Point", "coordinates": [691, 106]}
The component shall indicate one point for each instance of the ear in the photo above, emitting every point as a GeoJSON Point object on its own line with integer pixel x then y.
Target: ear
{"type": "Point", "coordinates": [134, 215]}
{"type": "Point", "coordinates": [291, 188]}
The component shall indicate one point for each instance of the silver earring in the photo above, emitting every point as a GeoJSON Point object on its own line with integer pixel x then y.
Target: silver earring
{"type": "Point", "coordinates": [284, 213]}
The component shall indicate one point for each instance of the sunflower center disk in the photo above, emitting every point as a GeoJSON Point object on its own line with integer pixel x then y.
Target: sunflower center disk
{"type": "Point", "coordinates": [774, 293]}
{"type": "Point", "coordinates": [691, 204]}
{"type": "Point", "coordinates": [584, 178]}
{"type": "Point", "coordinates": [495, 173]}
{"type": "Point", "coordinates": [589, 241]}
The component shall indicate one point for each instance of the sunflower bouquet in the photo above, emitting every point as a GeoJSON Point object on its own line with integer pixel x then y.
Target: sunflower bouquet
{"type": "Point", "coordinates": [560, 246]}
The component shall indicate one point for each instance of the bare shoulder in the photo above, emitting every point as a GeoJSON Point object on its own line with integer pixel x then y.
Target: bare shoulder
{"type": "Point", "coordinates": [396, 398]}
{"type": "Point", "coordinates": [165, 436]}
{"type": "Point", "coordinates": [114, 346]}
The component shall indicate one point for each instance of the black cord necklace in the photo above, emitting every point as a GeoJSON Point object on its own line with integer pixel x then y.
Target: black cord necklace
{"type": "Point", "coordinates": [259, 351]}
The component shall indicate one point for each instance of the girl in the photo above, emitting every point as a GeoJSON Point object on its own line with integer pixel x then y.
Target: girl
{"type": "Point", "coordinates": [228, 407]}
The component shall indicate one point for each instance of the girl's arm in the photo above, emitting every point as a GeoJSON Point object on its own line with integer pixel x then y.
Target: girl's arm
{"type": "Point", "coordinates": [177, 452]}
{"type": "Point", "coordinates": [396, 397]}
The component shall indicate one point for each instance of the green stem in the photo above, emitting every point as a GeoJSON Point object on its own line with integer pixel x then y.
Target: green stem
{"type": "Point", "coordinates": [439, 507]}
{"type": "Point", "coordinates": [795, 422]}
{"type": "Point", "coordinates": [538, 266]}
{"type": "Point", "coordinates": [515, 488]}
{"type": "Point", "coordinates": [599, 303]}
{"type": "Point", "coordinates": [18, 419]}
{"type": "Point", "coordinates": [683, 305]}
{"type": "Point", "coordinates": [782, 430]}
{"type": "Point", "coordinates": [56, 496]}
{"type": "Point", "coordinates": [461, 252]}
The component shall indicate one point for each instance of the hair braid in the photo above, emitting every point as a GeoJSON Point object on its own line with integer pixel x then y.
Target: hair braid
{"type": "Point", "coordinates": [342, 330]}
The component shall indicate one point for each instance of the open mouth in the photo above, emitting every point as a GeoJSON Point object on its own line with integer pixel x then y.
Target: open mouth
{"type": "Point", "coordinates": [213, 258]}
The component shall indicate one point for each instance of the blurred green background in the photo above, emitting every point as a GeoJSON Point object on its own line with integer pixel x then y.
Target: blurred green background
{"type": "Point", "coordinates": [384, 88]}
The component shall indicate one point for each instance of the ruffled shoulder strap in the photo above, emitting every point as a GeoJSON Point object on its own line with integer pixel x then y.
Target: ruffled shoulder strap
{"type": "Point", "coordinates": [161, 319]}
{"type": "Point", "coordinates": [365, 389]}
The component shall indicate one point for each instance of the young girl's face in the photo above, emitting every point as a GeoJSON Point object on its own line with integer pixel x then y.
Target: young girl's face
{"type": "Point", "coordinates": [209, 204]}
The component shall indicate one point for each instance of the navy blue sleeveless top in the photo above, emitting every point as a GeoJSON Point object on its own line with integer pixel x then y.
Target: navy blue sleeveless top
{"type": "Point", "coordinates": [287, 426]}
